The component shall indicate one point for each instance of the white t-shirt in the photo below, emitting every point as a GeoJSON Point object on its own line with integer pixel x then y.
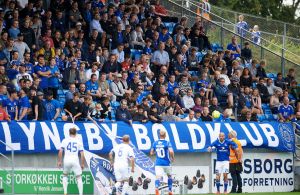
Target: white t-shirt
{"type": "Point", "coordinates": [71, 146]}
{"type": "Point", "coordinates": [122, 153]}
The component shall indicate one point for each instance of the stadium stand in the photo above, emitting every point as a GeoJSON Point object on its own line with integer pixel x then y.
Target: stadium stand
{"type": "Point", "coordinates": [143, 55]}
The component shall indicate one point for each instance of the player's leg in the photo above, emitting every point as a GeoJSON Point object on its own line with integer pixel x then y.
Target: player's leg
{"type": "Point", "coordinates": [125, 178]}
{"type": "Point", "coordinates": [159, 174]}
{"type": "Point", "coordinates": [118, 183]}
{"type": "Point", "coordinates": [168, 171]}
{"type": "Point", "coordinates": [78, 172]}
{"type": "Point", "coordinates": [66, 171]}
{"type": "Point", "coordinates": [218, 175]}
{"type": "Point", "coordinates": [225, 175]}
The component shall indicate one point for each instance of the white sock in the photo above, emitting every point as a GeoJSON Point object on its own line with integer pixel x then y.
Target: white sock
{"type": "Point", "coordinates": [118, 185]}
{"type": "Point", "coordinates": [65, 184]}
{"type": "Point", "coordinates": [125, 187]}
{"type": "Point", "coordinates": [80, 185]}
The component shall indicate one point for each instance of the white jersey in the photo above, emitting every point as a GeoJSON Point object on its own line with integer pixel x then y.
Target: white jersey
{"type": "Point", "coordinates": [122, 153]}
{"type": "Point", "coordinates": [71, 146]}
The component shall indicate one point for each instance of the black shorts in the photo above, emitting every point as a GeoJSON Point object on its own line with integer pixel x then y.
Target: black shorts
{"type": "Point", "coordinates": [235, 168]}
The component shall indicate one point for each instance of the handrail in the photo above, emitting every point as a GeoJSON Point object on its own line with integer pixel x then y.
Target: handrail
{"type": "Point", "coordinates": [197, 5]}
{"type": "Point", "coordinates": [12, 162]}
{"type": "Point", "coordinates": [226, 29]}
{"type": "Point", "coordinates": [297, 137]}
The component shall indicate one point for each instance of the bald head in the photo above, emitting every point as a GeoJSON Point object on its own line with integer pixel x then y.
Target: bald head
{"type": "Point", "coordinates": [162, 134]}
{"type": "Point", "coordinates": [125, 138]}
{"type": "Point", "coordinates": [222, 137]}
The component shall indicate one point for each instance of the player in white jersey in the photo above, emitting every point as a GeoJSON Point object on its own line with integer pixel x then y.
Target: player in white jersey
{"type": "Point", "coordinates": [71, 147]}
{"type": "Point", "coordinates": [119, 157]}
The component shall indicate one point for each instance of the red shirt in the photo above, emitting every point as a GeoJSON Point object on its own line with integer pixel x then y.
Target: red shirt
{"type": "Point", "coordinates": [3, 115]}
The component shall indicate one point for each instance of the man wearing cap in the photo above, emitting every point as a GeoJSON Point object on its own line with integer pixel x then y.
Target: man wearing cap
{"type": "Point", "coordinates": [21, 46]}
{"type": "Point", "coordinates": [117, 88]}
{"type": "Point", "coordinates": [51, 106]}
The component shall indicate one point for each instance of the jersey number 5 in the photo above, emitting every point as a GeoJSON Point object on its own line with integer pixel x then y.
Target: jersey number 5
{"type": "Point", "coordinates": [160, 152]}
{"type": "Point", "coordinates": [72, 147]}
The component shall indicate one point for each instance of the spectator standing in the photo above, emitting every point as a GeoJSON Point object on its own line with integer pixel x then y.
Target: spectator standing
{"type": "Point", "coordinates": [242, 26]}
{"type": "Point", "coordinates": [37, 106]}
{"type": "Point", "coordinates": [43, 72]}
{"type": "Point", "coordinates": [53, 80]}
{"type": "Point", "coordinates": [160, 58]}
{"type": "Point", "coordinates": [255, 35]}
{"type": "Point", "coordinates": [51, 107]}
{"type": "Point", "coordinates": [11, 105]}
{"type": "Point", "coordinates": [21, 46]}
{"type": "Point", "coordinates": [246, 53]}
{"type": "Point", "coordinates": [3, 114]}
{"type": "Point", "coordinates": [23, 105]}
{"type": "Point", "coordinates": [93, 88]}
{"type": "Point", "coordinates": [73, 108]}
{"type": "Point", "coordinates": [286, 111]}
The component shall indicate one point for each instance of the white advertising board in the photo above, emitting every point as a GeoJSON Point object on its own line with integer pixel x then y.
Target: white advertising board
{"type": "Point", "coordinates": [263, 172]}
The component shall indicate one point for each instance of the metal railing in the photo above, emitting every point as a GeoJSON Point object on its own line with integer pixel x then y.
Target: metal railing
{"type": "Point", "coordinates": [11, 161]}
{"type": "Point", "coordinates": [297, 141]}
{"type": "Point", "coordinates": [221, 32]}
{"type": "Point", "coordinates": [283, 33]}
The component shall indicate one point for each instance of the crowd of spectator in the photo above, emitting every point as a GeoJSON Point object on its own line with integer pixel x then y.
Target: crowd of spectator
{"type": "Point", "coordinates": [118, 61]}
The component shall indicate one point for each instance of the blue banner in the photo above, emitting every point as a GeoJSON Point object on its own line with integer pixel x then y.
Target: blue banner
{"type": "Point", "coordinates": [46, 136]}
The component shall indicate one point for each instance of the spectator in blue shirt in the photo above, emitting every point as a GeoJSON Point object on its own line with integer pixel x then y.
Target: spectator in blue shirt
{"type": "Point", "coordinates": [14, 30]}
{"type": "Point", "coordinates": [23, 105]}
{"type": "Point", "coordinates": [234, 48]}
{"type": "Point", "coordinates": [286, 111]}
{"type": "Point", "coordinates": [11, 105]}
{"type": "Point", "coordinates": [171, 85]}
{"type": "Point", "coordinates": [53, 80]}
{"type": "Point", "coordinates": [164, 34]}
{"type": "Point", "coordinates": [93, 88]}
{"type": "Point", "coordinates": [147, 49]}
{"type": "Point", "coordinates": [223, 94]}
{"type": "Point", "coordinates": [28, 64]}
{"type": "Point", "coordinates": [51, 107]}
{"type": "Point", "coordinates": [242, 26]}
{"type": "Point", "coordinates": [42, 72]}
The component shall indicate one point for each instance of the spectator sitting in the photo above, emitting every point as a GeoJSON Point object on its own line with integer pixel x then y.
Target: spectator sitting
{"type": "Point", "coordinates": [223, 94]}
{"type": "Point", "coordinates": [92, 88]}
{"type": "Point", "coordinates": [295, 90]}
{"type": "Point", "coordinates": [104, 88]}
{"type": "Point", "coordinates": [261, 72]}
{"type": "Point", "coordinates": [140, 115]}
{"type": "Point", "coordinates": [280, 82]}
{"type": "Point", "coordinates": [154, 116]}
{"type": "Point", "coordinates": [160, 57]}
{"type": "Point", "coordinates": [119, 52]}
{"type": "Point", "coordinates": [246, 54]}
{"type": "Point", "coordinates": [246, 78]}
{"type": "Point", "coordinates": [263, 90]}
{"type": "Point", "coordinates": [253, 70]}
{"type": "Point", "coordinates": [184, 85]}
{"type": "Point", "coordinates": [190, 117]}
{"type": "Point", "coordinates": [117, 88]}
{"type": "Point", "coordinates": [286, 111]}
{"type": "Point", "coordinates": [169, 116]}
{"type": "Point", "coordinates": [123, 114]}
{"type": "Point", "coordinates": [205, 115]}
{"type": "Point", "coordinates": [248, 117]}
{"type": "Point", "coordinates": [160, 106]}
{"type": "Point", "coordinates": [188, 100]}
{"type": "Point", "coordinates": [256, 102]}
{"type": "Point", "coordinates": [290, 76]}
{"type": "Point", "coordinates": [245, 101]}
{"type": "Point", "coordinates": [93, 70]}
{"type": "Point", "coordinates": [275, 102]}
{"type": "Point", "coordinates": [51, 107]}
{"type": "Point", "coordinates": [96, 113]}
{"type": "Point", "coordinates": [198, 115]}
{"type": "Point", "coordinates": [106, 109]}
{"type": "Point", "coordinates": [86, 109]}
{"type": "Point", "coordinates": [70, 92]}
{"type": "Point", "coordinates": [214, 106]}
{"type": "Point", "coordinates": [198, 105]}
{"type": "Point", "coordinates": [73, 108]}
{"type": "Point", "coordinates": [234, 47]}
{"type": "Point", "coordinates": [271, 87]}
